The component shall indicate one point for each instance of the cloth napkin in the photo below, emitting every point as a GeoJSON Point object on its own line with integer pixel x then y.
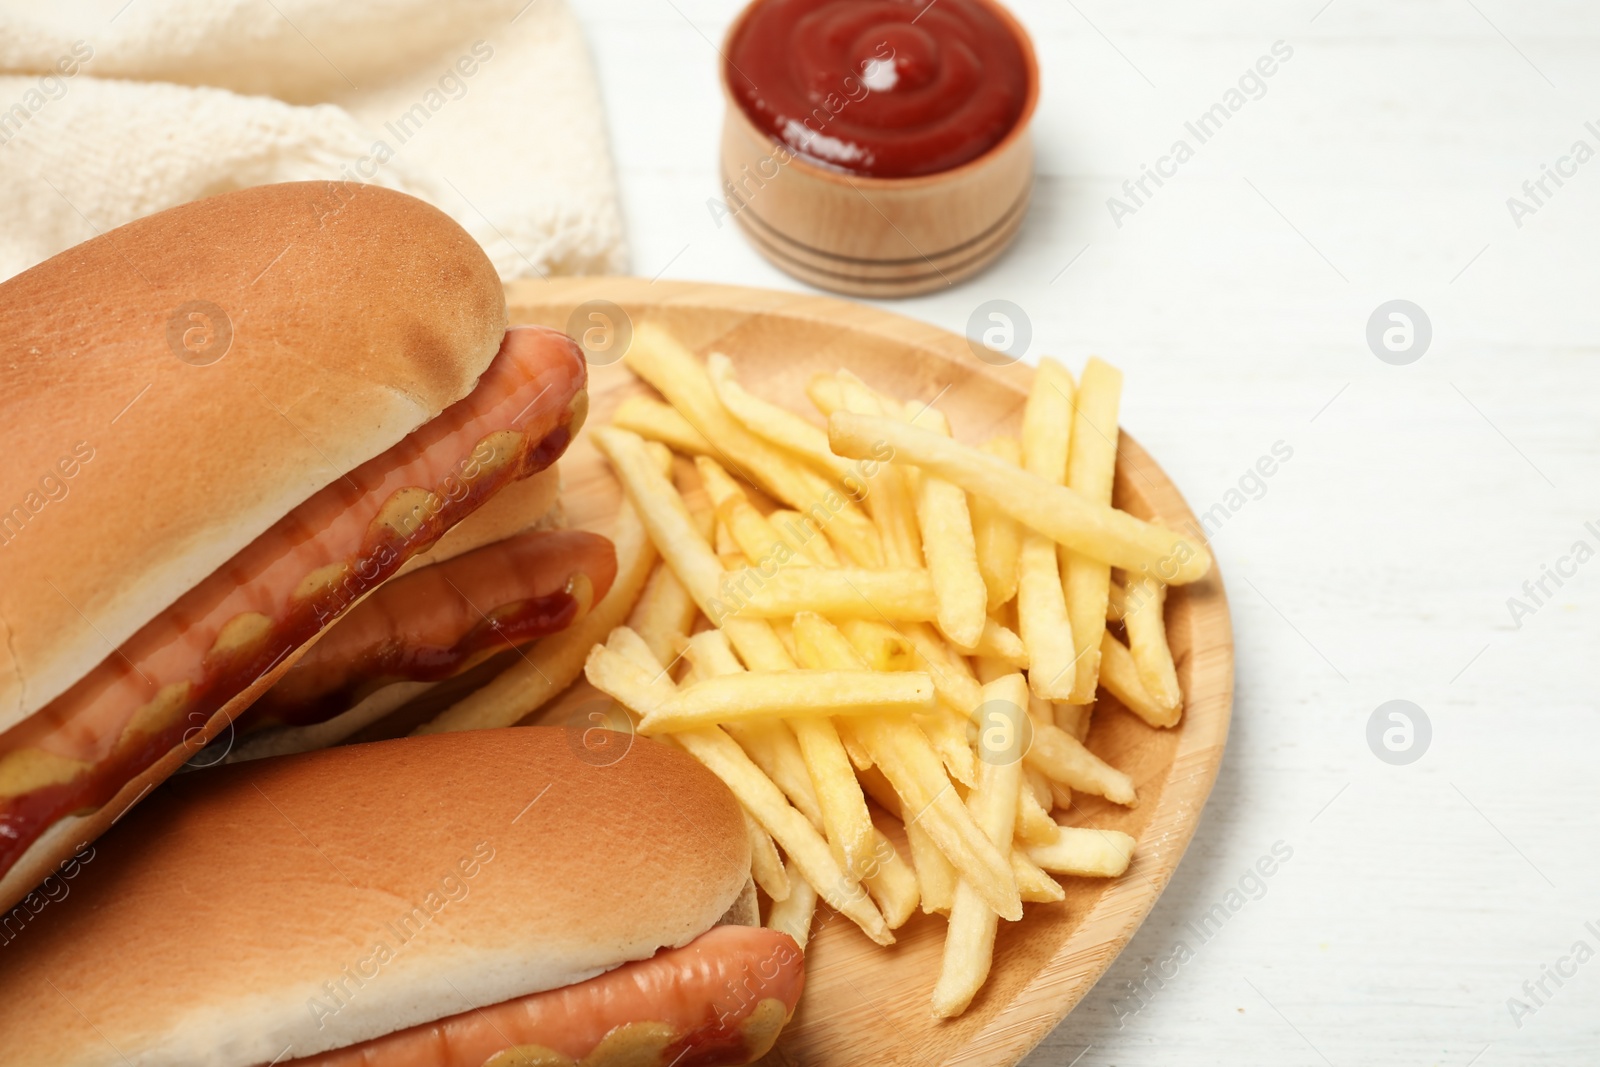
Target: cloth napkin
{"type": "Point", "coordinates": [486, 108]}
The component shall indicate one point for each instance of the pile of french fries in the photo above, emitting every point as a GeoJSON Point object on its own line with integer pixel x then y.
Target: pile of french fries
{"type": "Point", "coordinates": [876, 611]}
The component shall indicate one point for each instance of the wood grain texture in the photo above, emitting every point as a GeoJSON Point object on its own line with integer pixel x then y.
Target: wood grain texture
{"type": "Point", "coordinates": [864, 1004]}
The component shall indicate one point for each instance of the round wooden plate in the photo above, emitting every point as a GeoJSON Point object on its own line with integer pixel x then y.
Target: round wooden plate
{"type": "Point", "coordinates": [869, 1005]}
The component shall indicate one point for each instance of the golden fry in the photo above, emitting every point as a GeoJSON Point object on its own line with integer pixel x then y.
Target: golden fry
{"type": "Point", "coordinates": [907, 759]}
{"type": "Point", "coordinates": [969, 944]}
{"type": "Point", "coordinates": [800, 841]}
{"type": "Point", "coordinates": [1084, 852]}
{"type": "Point", "coordinates": [1119, 675]}
{"type": "Point", "coordinates": [1037, 887]}
{"type": "Point", "coordinates": [803, 536]}
{"type": "Point", "coordinates": [790, 695]}
{"type": "Point", "coordinates": [1147, 641]}
{"type": "Point", "coordinates": [664, 614]}
{"type": "Point", "coordinates": [936, 879]}
{"type": "Point", "coordinates": [793, 914]}
{"type": "Point", "coordinates": [835, 592]}
{"type": "Point", "coordinates": [765, 865]}
{"type": "Point", "coordinates": [1091, 470]}
{"type": "Point", "coordinates": [951, 553]}
{"type": "Point", "coordinates": [659, 359]}
{"type": "Point", "coordinates": [1063, 758]}
{"type": "Point", "coordinates": [996, 533]}
{"type": "Point", "coordinates": [777, 425]}
{"type": "Point", "coordinates": [665, 516]}
{"type": "Point", "coordinates": [891, 881]}
{"type": "Point", "coordinates": [881, 646]}
{"type": "Point", "coordinates": [655, 421]}
{"type": "Point", "coordinates": [1115, 537]}
{"type": "Point", "coordinates": [890, 501]}
{"type": "Point", "coordinates": [1042, 619]}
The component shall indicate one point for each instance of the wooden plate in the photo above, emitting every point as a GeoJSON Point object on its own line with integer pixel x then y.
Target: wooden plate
{"type": "Point", "coordinates": [869, 1005]}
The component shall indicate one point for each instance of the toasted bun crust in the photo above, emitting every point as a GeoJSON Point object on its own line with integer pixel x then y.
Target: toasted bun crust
{"type": "Point", "coordinates": [295, 905]}
{"type": "Point", "coordinates": [143, 450]}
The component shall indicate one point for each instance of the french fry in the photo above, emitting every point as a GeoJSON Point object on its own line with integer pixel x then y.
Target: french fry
{"type": "Point", "coordinates": [951, 676]}
{"type": "Point", "coordinates": [876, 786]}
{"type": "Point", "coordinates": [801, 842]}
{"type": "Point", "coordinates": [790, 695]}
{"type": "Point", "coordinates": [907, 759]}
{"type": "Point", "coordinates": [655, 421]}
{"type": "Point", "coordinates": [1034, 825]}
{"type": "Point", "coordinates": [824, 392]}
{"type": "Point", "coordinates": [1116, 601]}
{"type": "Point", "coordinates": [726, 547]}
{"type": "Point", "coordinates": [1073, 718]}
{"type": "Point", "coordinates": [1063, 758]}
{"type": "Point", "coordinates": [891, 881]}
{"type": "Point", "coordinates": [1036, 886]}
{"type": "Point", "coordinates": [1061, 795]}
{"type": "Point", "coordinates": [860, 758]}
{"type": "Point", "coordinates": [880, 645]}
{"type": "Point", "coordinates": [665, 517]}
{"type": "Point", "coordinates": [1039, 785]}
{"type": "Point", "coordinates": [1085, 852]}
{"type": "Point", "coordinates": [556, 661]}
{"type": "Point", "coordinates": [1096, 530]}
{"type": "Point", "coordinates": [1120, 677]}
{"type": "Point", "coordinates": [996, 533]}
{"type": "Point", "coordinates": [1091, 470]}
{"type": "Point", "coordinates": [844, 810]}
{"type": "Point", "coordinates": [999, 642]}
{"type": "Point", "coordinates": [751, 532]}
{"type": "Point", "coordinates": [765, 865]}
{"type": "Point", "coordinates": [969, 944]}
{"type": "Point", "coordinates": [936, 878]}
{"type": "Point", "coordinates": [664, 613]}
{"type": "Point", "coordinates": [626, 642]}
{"type": "Point", "coordinates": [946, 730]}
{"type": "Point", "coordinates": [1042, 619]}
{"type": "Point", "coordinates": [659, 359]}
{"type": "Point", "coordinates": [777, 425]}
{"type": "Point", "coordinates": [1147, 641]}
{"type": "Point", "coordinates": [771, 745]}
{"type": "Point", "coordinates": [890, 501]}
{"type": "Point", "coordinates": [761, 797]}
{"type": "Point", "coordinates": [951, 552]}
{"type": "Point", "coordinates": [627, 682]}
{"type": "Point", "coordinates": [1047, 422]}
{"type": "Point", "coordinates": [909, 762]}
{"type": "Point", "coordinates": [840, 804]}
{"type": "Point", "coordinates": [793, 914]}
{"type": "Point", "coordinates": [841, 808]}
{"type": "Point", "coordinates": [834, 592]}
{"type": "Point", "coordinates": [694, 497]}
{"type": "Point", "coordinates": [803, 537]}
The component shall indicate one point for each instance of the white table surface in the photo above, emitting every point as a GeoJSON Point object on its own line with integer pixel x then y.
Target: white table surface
{"type": "Point", "coordinates": [1378, 562]}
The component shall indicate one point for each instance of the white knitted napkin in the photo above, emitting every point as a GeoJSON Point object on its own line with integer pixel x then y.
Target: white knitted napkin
{"type": "Point", "coordinates": [113, 109]}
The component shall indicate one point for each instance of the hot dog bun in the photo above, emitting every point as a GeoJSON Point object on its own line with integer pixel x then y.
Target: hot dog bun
{"type": "Point", "coordinates": [210, 924]}
{"type": "Point", "coordinates": [353, 315]}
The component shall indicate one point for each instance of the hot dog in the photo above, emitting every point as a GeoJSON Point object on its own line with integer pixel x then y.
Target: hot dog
{"type": "Point", "coordinates": [470, 899]}
{"type": "Point", "coordinates": [286, 405]}
{"type": "Point", "coordinates": [431, 624]}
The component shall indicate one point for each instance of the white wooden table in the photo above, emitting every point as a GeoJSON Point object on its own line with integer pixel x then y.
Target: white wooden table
{"type": "Point", "coordinates": [1375, 564]}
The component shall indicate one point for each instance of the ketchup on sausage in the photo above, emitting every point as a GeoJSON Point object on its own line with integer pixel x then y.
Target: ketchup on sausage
{"type": "Point", "coordinates": [881, 88]}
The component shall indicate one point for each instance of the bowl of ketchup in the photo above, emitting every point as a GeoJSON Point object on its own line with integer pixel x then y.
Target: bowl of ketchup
{"type": "Point", "coordinates": [878, 147]}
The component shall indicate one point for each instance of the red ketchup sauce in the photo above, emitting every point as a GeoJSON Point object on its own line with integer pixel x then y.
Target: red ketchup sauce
{"type": "Point", "coordinates": [880, 88]}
